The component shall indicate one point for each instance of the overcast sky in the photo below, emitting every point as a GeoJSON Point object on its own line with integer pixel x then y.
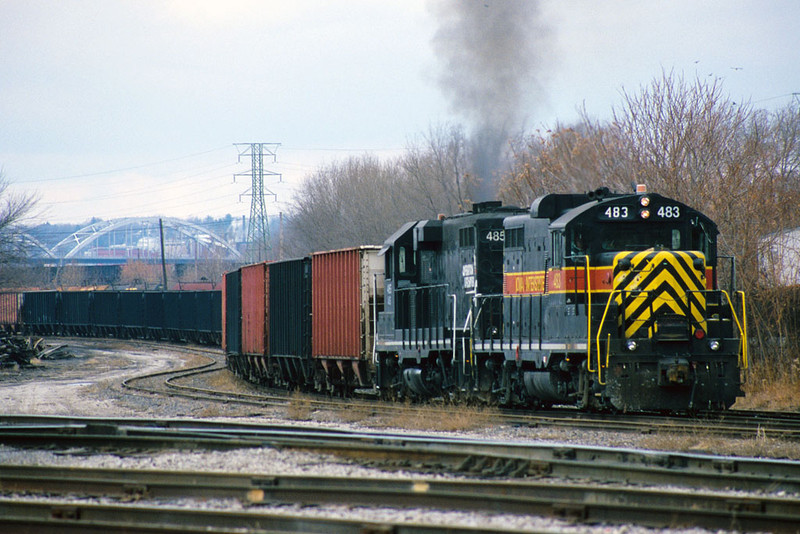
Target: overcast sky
{"type": "Point", "coordinates": [132, 108]}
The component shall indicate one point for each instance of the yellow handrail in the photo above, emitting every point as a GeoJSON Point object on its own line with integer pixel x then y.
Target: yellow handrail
{"type": "Point", "coordinates": [745, 356]}
{"type": "Point", "coordinates": [599, 331]}
{"type": "Point", "coordinates": [742, 326]}
{"type": "Point", "coordinates": [588, 311]}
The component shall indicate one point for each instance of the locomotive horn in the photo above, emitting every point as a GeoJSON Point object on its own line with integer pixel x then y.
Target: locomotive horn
{"type": "Point", "coordinates": [601, 193]}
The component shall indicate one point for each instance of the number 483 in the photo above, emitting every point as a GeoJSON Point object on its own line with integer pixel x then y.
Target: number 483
{"type": "Point", "coordinates": [669, 212]}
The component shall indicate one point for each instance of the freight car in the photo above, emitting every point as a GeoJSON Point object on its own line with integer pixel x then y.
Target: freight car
{"type": "Point", "coordinates": [192, 316]}
{"type": "Point", "coordinates": [598, 300]}
{"type": "Point", "coordinates": [269, 335]}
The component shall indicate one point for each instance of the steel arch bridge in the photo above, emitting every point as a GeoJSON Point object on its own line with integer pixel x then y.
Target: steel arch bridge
{"type": "Point", "coordinates": [138, 238]}
{"type": "Point", "coordinates": [34, 246]}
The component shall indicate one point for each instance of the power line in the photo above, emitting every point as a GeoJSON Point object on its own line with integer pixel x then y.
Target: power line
{"type": "Point", "coordinates": [124, 169]}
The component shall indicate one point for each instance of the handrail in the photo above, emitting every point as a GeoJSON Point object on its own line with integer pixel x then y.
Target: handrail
{"type": "Point", "coordinates": [375, 319]}
{"type": "Point", "coordinates": [417, 288]}
{"type": "Point", "coordinates": [740, 325]}
{"type": "Point", "coordinates": [599, 331]}
{"type": "Point", "coordinates": [455, 309]}
{"type": "Point", "coordinates": [588, 288]}
{"type": "Point", "coordinates": [743, 357]}
{"type": "Point", "coordinates": [745, 363]}
{"type": "Point", "coordinates": [467, 327]}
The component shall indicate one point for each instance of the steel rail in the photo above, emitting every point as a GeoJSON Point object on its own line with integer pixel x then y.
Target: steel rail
{"type": "Point", "coordinates": [59, 517]}
{"type": "Point", "coordinates": [583, 502]}
{"type": "Point", "coordinates": [726, 424]}
{"type": "Point", "coordinates": [421, 453]}
{"type": "Point", "coordinates": [732, 424]}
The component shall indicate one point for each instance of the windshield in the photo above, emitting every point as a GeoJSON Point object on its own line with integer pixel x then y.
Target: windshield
{"type": "Point", "coordinates": [615, 238]}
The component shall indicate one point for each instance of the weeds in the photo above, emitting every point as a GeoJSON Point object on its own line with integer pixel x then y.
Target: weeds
{"type": "Point", "coordinates": [766, 389]}
{"type": "Point", "coordinates": [759, 446]}
{"type": "Point", "coordinates": [441, 417]}
{"type": "Point", "coordinates": [354, 413]}
{"type": "Point", "coordinates": [300, 407]}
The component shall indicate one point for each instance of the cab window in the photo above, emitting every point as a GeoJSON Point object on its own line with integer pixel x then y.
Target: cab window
{"type": "Point", "coordinates": [558, 249]}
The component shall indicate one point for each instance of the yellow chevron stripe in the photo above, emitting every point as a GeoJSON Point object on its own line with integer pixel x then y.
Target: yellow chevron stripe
{"type": "Point", "coordinates": [666, 279]}
{"type": "Point", "coordinates": [655, 277]}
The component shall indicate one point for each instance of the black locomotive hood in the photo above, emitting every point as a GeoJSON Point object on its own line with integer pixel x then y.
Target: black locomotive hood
{"type": "Point", "coordinates": [390, 241]}
{"type": "Point", "coordinates": [637, 208]}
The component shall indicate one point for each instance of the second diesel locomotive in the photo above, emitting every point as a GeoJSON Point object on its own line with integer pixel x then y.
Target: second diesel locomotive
{"type": "Point", "coordinates": [598, 300]}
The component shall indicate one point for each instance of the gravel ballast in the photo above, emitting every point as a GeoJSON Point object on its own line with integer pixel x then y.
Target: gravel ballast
{"type": "Point", "coordinates": [90, 385]}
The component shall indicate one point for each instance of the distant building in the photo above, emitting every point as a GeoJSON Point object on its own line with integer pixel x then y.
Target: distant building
{"type": "Point", "coordinates": [779, 259]}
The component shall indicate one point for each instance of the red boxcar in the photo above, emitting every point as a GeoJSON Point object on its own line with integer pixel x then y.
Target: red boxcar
{"type": "Point", "coordinates": [255, 298]}
{"type": "Point", "coordinates": [9, 310]}
{"type": "Point", "coordinates": [346, 286]}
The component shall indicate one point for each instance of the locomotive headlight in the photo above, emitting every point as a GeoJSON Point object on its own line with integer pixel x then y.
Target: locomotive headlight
{"type": "Point", "coordinates": [714, 345]}
{"type": "Point", "coordinates": [644, 201]}
{"type": "Point", "coordinates": [644, 214]}
{"type": "Point", "coordinates": [631, 345]}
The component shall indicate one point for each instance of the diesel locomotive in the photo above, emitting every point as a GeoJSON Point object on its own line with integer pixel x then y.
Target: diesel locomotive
{"type": "Point", "coordinates": [598, 300]}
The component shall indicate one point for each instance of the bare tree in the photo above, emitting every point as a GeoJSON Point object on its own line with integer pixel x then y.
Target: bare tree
{"type": "Point", "coordinates": [690, 141]}
{"type": "Point", "coordinates": [580, 157]}
{"type": "Point", "coordinates": [73, 277]}
{"type": "Point", "coordinates": [19, 276]}
{"type": "Point", "coordinates": [437, 170]}
{"type": "Point", "coordinates": [14, 208]}
{"type": "Point", "coordinates": [210, 270]}
{"type": "Point", "coordinates": [363, 200]}
{"type": "Point", "coordinates": [352, 202]}
{"type": "Point", "coordinates": [143, 275]}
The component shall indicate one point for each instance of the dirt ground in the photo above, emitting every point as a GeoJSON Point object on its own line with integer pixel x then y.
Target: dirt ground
{"type": "Point", "coordinates": [74, 386]}
{"type": "Point", "coordinates": [90, 384]}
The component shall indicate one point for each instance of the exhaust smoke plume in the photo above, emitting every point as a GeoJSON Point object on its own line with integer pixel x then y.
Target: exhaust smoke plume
{"type": "Point", "coordinates": [489, 58]}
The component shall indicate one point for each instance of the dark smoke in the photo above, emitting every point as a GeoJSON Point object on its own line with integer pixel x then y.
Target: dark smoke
{"type": "Point", "coordinates": [489, 54]}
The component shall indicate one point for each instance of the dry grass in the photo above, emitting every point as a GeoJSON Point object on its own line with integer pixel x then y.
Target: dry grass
{"type": "Point", "coordinates": [440, 417]}
{"type": "Point", "coordinates": [354, 413]}
{"type": "Point", "coordinates": [760, 446]}
{"type": "Point", "coordinates": [225, 380]}
{"type": "Point", "coordinates": [766, 389]}
{"type": "Point", "coordinates": [300, 407]}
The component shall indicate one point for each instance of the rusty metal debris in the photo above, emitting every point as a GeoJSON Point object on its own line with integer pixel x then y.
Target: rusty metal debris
{"type": "Point", "coordinates": [21, 351]}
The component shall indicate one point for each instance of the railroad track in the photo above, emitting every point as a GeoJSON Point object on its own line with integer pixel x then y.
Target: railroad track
{"type": "Point", "coordinates": [730, 424]}
{"type": "Point", "coordinates": [58, 517]}
{"type": "Point", "coordinates": [586, 503]}
{"type": "Point", "coordinates": [390, 451]}
{"type": "Point", "coordinates": [166, 382]}
{"type": "Point", "coordinates": [583, 484]}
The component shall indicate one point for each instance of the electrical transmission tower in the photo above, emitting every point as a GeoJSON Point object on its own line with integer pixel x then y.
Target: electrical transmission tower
{"type": "Point", "coordinates": [258, 240]}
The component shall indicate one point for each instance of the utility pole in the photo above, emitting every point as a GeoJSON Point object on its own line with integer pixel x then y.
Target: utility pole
{"type": "Point", "coordinates": [258, 239]}
{"type": "Point", "coordinates": [163, 260]}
